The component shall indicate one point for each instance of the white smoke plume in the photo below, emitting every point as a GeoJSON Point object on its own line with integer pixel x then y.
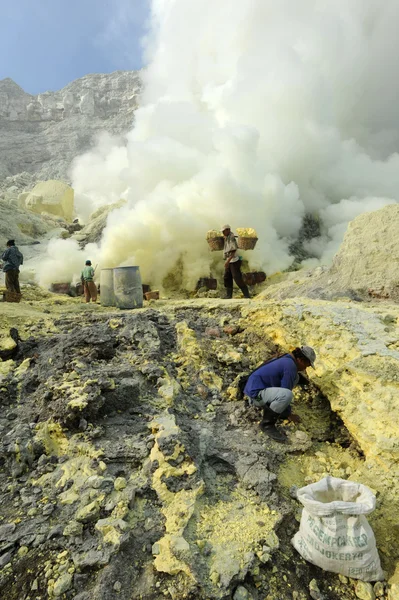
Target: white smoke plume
{"type": "Point", "coordinates": [62, 262]}
{"type": "Point", "coordinates": [253, 113]}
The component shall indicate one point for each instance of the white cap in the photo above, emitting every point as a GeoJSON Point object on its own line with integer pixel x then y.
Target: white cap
{"type": "Point", "coordinates": [309, 353]}
{"type": "Point", "coordinates": [224, 227]}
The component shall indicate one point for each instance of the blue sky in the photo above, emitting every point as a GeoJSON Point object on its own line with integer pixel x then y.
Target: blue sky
{"type": "Point", "coordinates": [45, 44]}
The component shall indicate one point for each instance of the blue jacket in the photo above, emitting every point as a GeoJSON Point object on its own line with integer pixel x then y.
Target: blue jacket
{"type": "Point", "coordinates": [281, 372]}
{"type": "Point", "coordinates": [13, 259]}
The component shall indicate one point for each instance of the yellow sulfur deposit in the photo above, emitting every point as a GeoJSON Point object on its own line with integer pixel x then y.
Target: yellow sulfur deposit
{"type": "Point", "coordinates": [356, 367]}
{"type": "Point", "coordinates": [192, 356]}
{"type": "Point", "coordinates": [52, 437]}
{"type": "Point", "coordinates": [5, 368]}
{"type": "Point", "coordinates": [221, 525]}
{"type": "Point", "coordinates": [357, 370]}
{"type": "Point", "coordinates": [169, 389]}
{"type": "Point", "coordinates": [247, 232]}
{"type": "Point", "coordinates": [7, 343]}
{"type": "Point", "coordinates": [111, 529]}
{"type": "Point", "coordinates": [213, 233]}
{"type": "Point", "coordinates": [52, 196]}
{"type": "Point", "coordinates": [78, 466]}
{"type": "Point", "coordinates": [177, 507]}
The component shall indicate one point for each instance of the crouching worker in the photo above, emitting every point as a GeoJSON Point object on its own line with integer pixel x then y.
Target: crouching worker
{"type": "Point", "coordinates": [270, 387]}
{"type": "Point", "coordinates": [87, 278]}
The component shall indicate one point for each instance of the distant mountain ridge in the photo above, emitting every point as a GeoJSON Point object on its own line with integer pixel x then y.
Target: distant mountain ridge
{"type": "Point", "coordinates": [41, 135]}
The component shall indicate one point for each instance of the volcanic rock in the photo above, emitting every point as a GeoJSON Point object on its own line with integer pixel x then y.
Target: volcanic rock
{"type": "Point", "coordinates": [53, 197]}
{"type": "Point", "coordinates": [61, 125]}
{"type": "Point", "coordinates": [364, 268]}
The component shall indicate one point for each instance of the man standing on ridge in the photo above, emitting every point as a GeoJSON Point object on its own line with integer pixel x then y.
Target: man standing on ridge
{"type": "Point", "coordinates": [270, 387]}
{"type": "Point", "coordinates": [232, 265]}
{"type": "Point", "coordinates": [13, 259]}
{"type": "Point", "coordinates": [87, 277]}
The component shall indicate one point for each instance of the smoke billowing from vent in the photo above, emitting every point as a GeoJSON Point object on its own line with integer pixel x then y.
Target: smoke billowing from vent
{"type": "Point", "coordinates": [255, 113]}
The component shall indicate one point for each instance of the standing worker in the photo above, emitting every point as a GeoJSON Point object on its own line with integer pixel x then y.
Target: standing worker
{"type": "Point", "coordinates": [13, 259]}
{"type": "Point", "coordinates": [270, 387]}
{"type": "Point", "coordinates": [232, 265]}
{"type": "Point", "coordinates": [87, 278]}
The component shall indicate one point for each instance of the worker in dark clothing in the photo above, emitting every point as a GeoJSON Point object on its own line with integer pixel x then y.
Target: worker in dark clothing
{"type": "Point", "coordinates": [270, 387]}
{"type": "Point", "coordinates": [232, 265]}
{"type": "Point", "coordinates": [13, 259]}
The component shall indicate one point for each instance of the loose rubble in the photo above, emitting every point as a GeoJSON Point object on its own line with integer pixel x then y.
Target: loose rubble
{"type": "Point", "coordinates": [132, 468]}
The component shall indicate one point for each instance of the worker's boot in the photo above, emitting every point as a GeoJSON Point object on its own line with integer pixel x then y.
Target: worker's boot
{"type": "Point", "coordinates": [286, 413]}
{"type": "Point", "coordinates": [268, 425]}
{"type": "Point", "coordinates": [229, 293]}
{"type": "Point", "coordinates": [245, 291]}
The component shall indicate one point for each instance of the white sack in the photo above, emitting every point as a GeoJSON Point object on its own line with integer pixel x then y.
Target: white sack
{"type": "Point", "coordinates": [334, 533]}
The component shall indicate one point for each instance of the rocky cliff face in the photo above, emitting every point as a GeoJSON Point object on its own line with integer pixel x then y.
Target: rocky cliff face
{"type": "Point", "coordinates": [42, 134]}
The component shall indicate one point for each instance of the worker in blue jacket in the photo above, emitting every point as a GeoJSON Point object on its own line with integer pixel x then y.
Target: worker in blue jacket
{"type": "Point", "coordinates": [13, 259]}
{"type": "Point", "coordinates": [270, 387]}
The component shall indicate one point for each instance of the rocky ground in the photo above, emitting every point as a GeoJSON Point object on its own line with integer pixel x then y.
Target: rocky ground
{"type": "Point", "coordinates": [130, 467]}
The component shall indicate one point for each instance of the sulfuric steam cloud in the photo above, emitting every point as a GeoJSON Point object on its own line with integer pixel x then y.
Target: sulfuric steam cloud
{"type": "Point", "coordinates": [255, 113]}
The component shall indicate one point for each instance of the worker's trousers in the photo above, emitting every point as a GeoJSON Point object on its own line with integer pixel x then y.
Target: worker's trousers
{"type": "Point", "coordinates": [90, 289]}
{"type": "Point", "coordinates": [277, 399]}
{"type": "Point", "coordinates": [12, 281]}
{"type": "Point", "coordinates": [233, 271]}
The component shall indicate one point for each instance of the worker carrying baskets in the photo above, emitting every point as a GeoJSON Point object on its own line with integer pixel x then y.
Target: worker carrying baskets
{"type": "Point", "coordinates": [232, 265]}
{"type": "Point", "coordinates": [226, 240]}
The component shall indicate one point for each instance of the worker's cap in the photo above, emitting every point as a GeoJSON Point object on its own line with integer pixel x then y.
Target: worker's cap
{"type": "Point", "coordinates": [224, 227]}
{"type": "Point", "coordinates": [88, 262]}
{"type": "Point", "coordinates": [309, 353]}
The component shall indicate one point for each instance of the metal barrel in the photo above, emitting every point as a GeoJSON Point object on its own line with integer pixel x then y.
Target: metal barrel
{"type": "Point", "coordinates": [128, 289]}
{"type": "Point", "coordinates": [107, 296]}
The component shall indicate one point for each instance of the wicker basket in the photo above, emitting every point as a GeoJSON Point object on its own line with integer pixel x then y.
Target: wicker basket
{"type": "Point", "coordinates": [11, 297]}
{"type": "Point", "coordinates": [254, 277]}
{"type": "Point", "coordinates": [208, 282]}
{"type": "Point", "coordinates": [152, 295]}
{"type": "Point", "coordinates": [61, 288]}
{"type": "Point", "coordinates": [260, 276]}
{"type": "Point", "coordinates": [246, 243]}
{"type": "Point", "coordinates": [249, 278]}
{"type": "Point", "coordinates": [216, 243]}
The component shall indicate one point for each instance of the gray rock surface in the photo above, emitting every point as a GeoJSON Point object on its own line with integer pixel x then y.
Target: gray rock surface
{"type": "Point", "coordinates": [5, 559]}
{"type": "Point", "coordinates": [161, 494]}
{"type": "Point", "coordinates": [42, 134]}
{"type": "Point", "coordinates": [6, 530]}
{"type": "Point", "coordinates": [92, 232]}
{"type": "Point", "coordinates": [23, 226]}
{"type": "Point", "coordinates": [364, 268]}
{"type": "Point", "coordinates": [242, 593]}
